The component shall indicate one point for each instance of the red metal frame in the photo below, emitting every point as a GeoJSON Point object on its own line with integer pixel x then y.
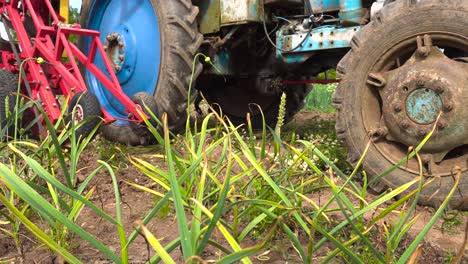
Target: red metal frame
{"type": "Point", "coordinates": [56, 77]}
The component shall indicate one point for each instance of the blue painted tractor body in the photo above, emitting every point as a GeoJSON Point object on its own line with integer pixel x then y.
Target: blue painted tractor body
{"type": "Point", "coordinates": [127, 27]}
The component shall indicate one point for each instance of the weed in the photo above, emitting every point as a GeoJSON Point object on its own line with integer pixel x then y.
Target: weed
{"type": "Point", "coordinates": [320, 98]}
{"type": "Point", "coordinates": [452, 220]}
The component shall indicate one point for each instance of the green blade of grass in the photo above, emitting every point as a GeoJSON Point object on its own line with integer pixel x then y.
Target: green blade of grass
{"type": "Point", "coordinates": [186, 236]}
{"type": "Point", "coordinates": [247, 252]}
{"type": "Point", "coordinates": [39, 234]}
{"type": "Point", "coordinates": [41, 172]}
{"type": "Point", "coordinates": [43, 207]}
{"type": "Point", "coordinates": [154, 242]}
{"type": "Point", "coordinates": [118, 212]}
{"type": "Point", "coordinates": [219, 209]}
{"type": "Point", "coordinates": [187, 173]}
{"type": "Point", "coordinates": [414, 245]}
{"type": "Point", "coordinates": [230, 239]}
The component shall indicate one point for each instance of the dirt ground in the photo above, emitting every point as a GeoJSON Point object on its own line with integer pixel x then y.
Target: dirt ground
{"type": "Point", "coordinates": [135, 204]}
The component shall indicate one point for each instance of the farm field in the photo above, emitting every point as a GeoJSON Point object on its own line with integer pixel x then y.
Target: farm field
{"type": "Point", "coordinates": [216, 193]}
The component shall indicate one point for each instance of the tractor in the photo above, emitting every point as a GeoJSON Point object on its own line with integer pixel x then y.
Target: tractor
{"type": "Point", "coordinates": [402, 67]}
{"type": "Point", "coordinates": [402, 64]}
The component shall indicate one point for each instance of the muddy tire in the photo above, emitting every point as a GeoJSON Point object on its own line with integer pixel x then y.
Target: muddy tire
{"type": "Point", "coordinates": [135, 134]}
{"type": "Point", "coordinates": [360, 108]}
{"type": "Point", "coordinates": [84, 107]}
{"type": "Point", "coordinates": [179, 41]}
{"type": "Point", "coordinates": [8, 89]}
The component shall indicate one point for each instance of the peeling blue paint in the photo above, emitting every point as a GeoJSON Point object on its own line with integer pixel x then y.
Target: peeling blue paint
{"type": "Point", "coordinates": [322, 38]}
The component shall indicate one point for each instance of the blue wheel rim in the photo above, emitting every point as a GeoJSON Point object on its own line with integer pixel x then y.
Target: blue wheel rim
{"type": "Point", "coordinates": [135, 24]}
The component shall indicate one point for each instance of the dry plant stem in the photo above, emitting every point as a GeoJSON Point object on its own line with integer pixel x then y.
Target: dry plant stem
{"type": "Point", "coordinates": [416, 255]}
{"type": "Point", "coordinates": [461, 253]}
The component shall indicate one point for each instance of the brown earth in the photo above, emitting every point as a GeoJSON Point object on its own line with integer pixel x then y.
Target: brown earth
{"type": "Point", "coordinates": [136, 204]}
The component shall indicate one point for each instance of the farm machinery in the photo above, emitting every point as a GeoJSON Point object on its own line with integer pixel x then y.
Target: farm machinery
{"type": "Point", "coordinates": [35, 45]}
{"type": "Point", "coordinates": [402, 67]}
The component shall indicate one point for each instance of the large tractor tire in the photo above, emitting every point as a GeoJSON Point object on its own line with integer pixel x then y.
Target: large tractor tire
{"type": "Point", "coordinates": [151, 45]}
{"type": "Point", "coordinates": [8, 90]}
{"type": "Point", "coordinates": [405, 67]}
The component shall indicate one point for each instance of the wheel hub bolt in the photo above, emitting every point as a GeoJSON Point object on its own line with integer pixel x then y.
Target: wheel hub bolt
{"type": "Point", "coordinates": [448, 107]}
{"type": "Point", "coordinates": [422, 132]}
{"type": "Point", "coordinates": [121, 44]}
{"type": "Point", "coordinates": [379, 132]}
{"type": "Point", "coordinates": [404, 124]}
{"type": "Point", "coordinates": [121, 57]}
{"type": "Point", "coordinates": [397, 108]}
{"type": "Point", "coordinates": [442, 124]}
{"type": "Point", "coordinates": [439, 89]}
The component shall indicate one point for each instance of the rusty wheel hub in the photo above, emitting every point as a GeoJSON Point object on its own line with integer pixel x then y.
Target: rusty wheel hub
{"type": "Point", "coordinates": [429, 90]}
{"type": "Point", "coordinates": [116, 50]}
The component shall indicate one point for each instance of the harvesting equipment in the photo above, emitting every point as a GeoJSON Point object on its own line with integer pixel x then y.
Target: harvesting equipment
{"type": "Point", "coordinates": [402, 66]}
{"type": "Point", "coordinates": [35, 45]}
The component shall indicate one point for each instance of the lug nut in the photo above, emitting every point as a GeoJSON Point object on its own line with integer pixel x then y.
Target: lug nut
{"type": "Point", "coordinates": [422, 132]}
{"type": "Point", "coordinates": [379, 132]}
{"type": "Point", "coordinates": [109, 38]}
{"type": "Point", "coordinates": [121, 57]}
{"type": "Point", "coordinates": [442, 124]}
{"type": "Point", "coordinates": [439, 89]}
{"type": "Point", "coordinates": [121, 44]}
{"type": "Point", "coordinates": [118, 68]}
{"type": "Point", "coordinates": [448, 107]}
{"type": "Point", "coordinates": [397, 108]}
{"type": "Point", "coordinates": [404, 124]}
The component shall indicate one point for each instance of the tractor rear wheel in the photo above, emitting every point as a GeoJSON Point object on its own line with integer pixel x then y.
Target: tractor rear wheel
{"type": "Point", "coordinates": [151, 45]}
{"type": "Point", "coordinates": [408, 65]}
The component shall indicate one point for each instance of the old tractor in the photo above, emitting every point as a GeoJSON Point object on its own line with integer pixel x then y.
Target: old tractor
{"type": "Point", "coordinates": [402, 66]}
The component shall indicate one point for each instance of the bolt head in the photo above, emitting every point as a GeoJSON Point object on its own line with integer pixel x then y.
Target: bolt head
{"type": "Point", "coordinates": [422, 132]}
{"type": "Point", "coordinates": [118, 68]}
{"type": "Point", "coordinates": [442, 124]}
{"type": "Point", "coordinates": [404, 124]}
{"type": "Point", "coordinates": [121, 57]}
{"type": "Point", "coordinates": [397, 108]}
{"type": "Point", "coordinates": [448, 107]}
{"type": "Point", "coordinates": [121, 44]}
{"type": "Point", "coordinates": [439, 89]}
